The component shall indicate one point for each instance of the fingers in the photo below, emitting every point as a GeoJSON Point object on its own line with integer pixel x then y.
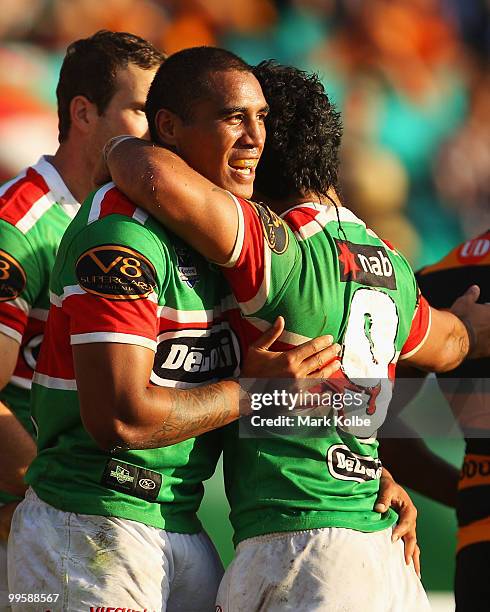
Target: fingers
{"type": "Point", "coordinates": [470, 296]}
{"type": "Point", "coordinates": [387, 487]}
{"type": "Point", "coordinates": [326, 371]}
{"type": "Point", "coordinates": [406, 522]}
{"type": "Point", "coordinates": [268, 338]}
{"type": "Point", "coordinates": [416, 561]}
{"type": "Point", "coordinates": [472, 293]}
{"type": "Point", "coordinates": [321, 361]}
{"type": "Point", "coordinates": [310, 349]}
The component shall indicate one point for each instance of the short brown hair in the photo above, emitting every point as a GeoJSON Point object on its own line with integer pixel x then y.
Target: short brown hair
{"type": "Point", "coordinates": [90, 68]}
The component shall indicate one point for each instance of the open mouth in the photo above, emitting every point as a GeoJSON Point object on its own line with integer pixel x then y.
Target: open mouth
{"type": "Point", "coordinates": [244, 166]}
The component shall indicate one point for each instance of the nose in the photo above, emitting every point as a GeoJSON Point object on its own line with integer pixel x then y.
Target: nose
{"type": "Point", "coordinates": [253, 136]}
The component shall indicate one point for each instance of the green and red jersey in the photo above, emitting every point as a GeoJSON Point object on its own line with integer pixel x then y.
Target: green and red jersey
{"type": "Point", "coordinates": [121, 277]}
{"type": "Point", "coordinates": [443, 282]}
{"type": "Point", "coordinates": [325, 273]}
{"type": "Point", "coordinates": [35, 209]}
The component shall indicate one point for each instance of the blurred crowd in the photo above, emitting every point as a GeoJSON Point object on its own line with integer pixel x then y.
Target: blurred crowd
{"type": "Point", "coordinates": [411, 78]}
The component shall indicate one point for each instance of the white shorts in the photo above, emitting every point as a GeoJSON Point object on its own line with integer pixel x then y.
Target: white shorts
{"type": "Point", "coordinates": [103, 562]}
{"type": "Point", "coordinates": [327, 570]}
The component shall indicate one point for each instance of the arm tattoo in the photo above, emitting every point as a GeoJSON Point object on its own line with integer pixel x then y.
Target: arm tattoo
{"type": "Point", "coordinates": [193, 412]}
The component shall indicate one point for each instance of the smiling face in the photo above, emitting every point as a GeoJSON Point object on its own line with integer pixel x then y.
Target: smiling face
{"type": "Point", "coordinates": [224, 138]}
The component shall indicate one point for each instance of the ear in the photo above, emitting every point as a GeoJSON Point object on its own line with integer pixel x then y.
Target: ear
{"type": "Point", "coordinates": [83, 114]}
{"type": "Point", "coordinates": [168, 125]}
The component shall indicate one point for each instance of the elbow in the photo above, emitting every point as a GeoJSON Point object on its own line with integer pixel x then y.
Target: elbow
{"type": "Point", "coordinates": [114, 437]}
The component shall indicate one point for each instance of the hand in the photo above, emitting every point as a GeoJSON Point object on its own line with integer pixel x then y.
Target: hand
{"type": "Point", "coordinates": [6, 512]}
{"type": "Point", "coordinates": [313, 359]}
{"type": "Point", "coordinates": [392, 495]}
{"type": "Point", "coordinates": [101, 174]}
{"type": "Point", "coordinates": [476, 318]}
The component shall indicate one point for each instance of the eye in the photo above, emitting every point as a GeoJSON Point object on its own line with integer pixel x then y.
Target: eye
{"type": "Point", "coordinates": [235, 119]}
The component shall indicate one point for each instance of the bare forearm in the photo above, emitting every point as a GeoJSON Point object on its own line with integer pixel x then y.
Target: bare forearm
{"type": "Point", "coordinates": [17, 450]}
{"type": "Point", "coordinates": [135, 174]}
{"type": "Point", "coordinates": [194, 412]}
{"type": "Point", "coordinates": [457, 343]}
{"type": "Point", "coordinates": [414, 465]}
{"type": "Point", "coordinates": [168, 416]}
{"type": "Point", "coordinates": [447, 345]}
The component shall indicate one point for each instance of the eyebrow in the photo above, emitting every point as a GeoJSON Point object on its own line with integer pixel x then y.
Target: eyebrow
{"type": "Point", "coordinates": [230, 110]}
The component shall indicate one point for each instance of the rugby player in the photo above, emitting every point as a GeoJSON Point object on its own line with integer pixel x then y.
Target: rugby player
{"type": "Point", "coordinates": [332, 550]}
{"type": "Point", "coordinates": [466, 389]}
{"type": "Point", "coordinates": [101, 92]}
{"type": "Point", "coordinates": [130, 304]}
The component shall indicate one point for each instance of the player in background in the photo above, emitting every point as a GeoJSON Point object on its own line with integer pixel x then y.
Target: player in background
{"type": "Point", "coordinates": [101, 92]}
{"type": "Point", "coordinates": [130, 304]}
{"type": "Point", "coordinates": [321, 258]}
{"type": "Point", "coordinates": [466, 389]}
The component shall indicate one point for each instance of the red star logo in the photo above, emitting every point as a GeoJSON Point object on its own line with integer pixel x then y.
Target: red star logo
{"type": "Point", "coordinates": [348, 260]}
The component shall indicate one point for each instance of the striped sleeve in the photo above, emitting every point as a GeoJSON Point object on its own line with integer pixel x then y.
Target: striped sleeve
{"type": "Point", "coordinates": [419, 329]}
{"type": "Point", "coordinates": [112, 279]}
{"type": "Point", "coordinates": [21, 280]}
{"type": "Point", "coordinates": [262, 259]}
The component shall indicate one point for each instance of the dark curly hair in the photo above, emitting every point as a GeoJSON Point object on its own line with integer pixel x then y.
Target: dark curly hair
{"type": "Point", "coordinates": [304, 131]}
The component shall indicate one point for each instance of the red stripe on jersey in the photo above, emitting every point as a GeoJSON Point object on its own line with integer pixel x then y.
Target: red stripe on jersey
{"type": "Point", "coordinates": [246, 286]}
{"type": "Point", "coordinates": [55, 358]}
{"type": "Point", "coordinates": [12, 317]}
{"type": "Point", "coordinates": [89, 313]}
{"type": "Point", "coordinates": [300, 216]}
{"type": "Point", "coordinates": [419, 327]}
{"type": "Point", "coordinates": [21, 196]}
{"type": "Point", "coordinates": [116, 203]}
{"type": "Point", "coordinates": [389, 245]}
{"type": "Point", "coordinates": [165, 325]}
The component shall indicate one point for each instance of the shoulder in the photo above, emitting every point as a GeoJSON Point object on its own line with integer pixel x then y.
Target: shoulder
{"type": "Point", "coordinates": [23, 199]}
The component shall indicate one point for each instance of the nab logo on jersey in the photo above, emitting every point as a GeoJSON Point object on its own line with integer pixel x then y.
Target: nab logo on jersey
{"type": "Point", "coordinates": [196, 355]}
{"type": "Point", "coordinates": [365, 264]}
{"type": "Point", "coordinates": [343, 464]}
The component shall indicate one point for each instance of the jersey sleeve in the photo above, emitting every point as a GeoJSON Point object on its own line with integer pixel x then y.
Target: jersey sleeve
{"type": "Point", "coordinates": [264, 255]}
{"type": "Point", "coordinates": [21, 280]}
{"type": "Point", "coordinates": [419, 329]}
{"type": "Point", "coordinates": [113, 276]}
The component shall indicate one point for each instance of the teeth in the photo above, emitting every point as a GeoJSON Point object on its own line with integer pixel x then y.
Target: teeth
{"type": "Point", "coordinates": [243, 163]}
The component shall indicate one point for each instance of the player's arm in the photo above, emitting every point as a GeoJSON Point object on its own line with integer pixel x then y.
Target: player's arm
{"type": "Point", "coordinates": [20, 283]}
{"type": "Point", "coordinates": [139, 415]}
{"type": "Point", "coordinates": [198, 211]}
{"type": "Point", "coordinates": [426, 472]}
{"type": "Point", "coordinates": [17, 449]}
{"type": "Point", "coordinates": [451, 336]}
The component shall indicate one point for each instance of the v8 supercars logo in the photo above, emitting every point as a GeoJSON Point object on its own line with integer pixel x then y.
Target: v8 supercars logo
{"type": "Point", "coordinates": [195, 356]}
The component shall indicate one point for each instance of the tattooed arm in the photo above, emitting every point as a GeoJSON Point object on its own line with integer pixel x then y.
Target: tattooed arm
{"type": "Point", "coordinates": [120, 409]}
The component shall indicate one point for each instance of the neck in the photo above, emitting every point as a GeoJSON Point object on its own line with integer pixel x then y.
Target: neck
{"type": "Point", "coordinates": [75, 169]}
{"type": "Point", "coordinates": [279, 206]}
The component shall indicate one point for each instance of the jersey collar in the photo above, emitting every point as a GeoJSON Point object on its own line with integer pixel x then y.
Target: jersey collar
{"type": "Point", "coordinates": [56, 185]}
